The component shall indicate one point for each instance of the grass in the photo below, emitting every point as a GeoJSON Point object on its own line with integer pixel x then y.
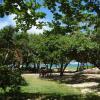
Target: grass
{"type": "Point", "coordinates": [37, 85]}
{"type": "Point", "coordinates": [43, 89]}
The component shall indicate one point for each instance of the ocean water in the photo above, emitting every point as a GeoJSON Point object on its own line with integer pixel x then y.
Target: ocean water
{"type": "Point", "coordinates": [71, 64]}
{"type": "Point", "coordinates": [76, 64]}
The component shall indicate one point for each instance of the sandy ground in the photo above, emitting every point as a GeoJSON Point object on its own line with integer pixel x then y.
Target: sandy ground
{"type": "Point", "coordinates": [89, 87]}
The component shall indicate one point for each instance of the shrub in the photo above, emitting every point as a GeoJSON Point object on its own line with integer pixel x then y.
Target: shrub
{"type": "Point", "coordinates": [10, 78]}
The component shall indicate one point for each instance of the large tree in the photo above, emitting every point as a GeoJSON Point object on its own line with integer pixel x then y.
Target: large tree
{"type": "Point", "coordinates": [72, 15]}
{"type": "Point", "coordinates": [27, 12]}
{"type": "Point", "coordinates": [7, 44]}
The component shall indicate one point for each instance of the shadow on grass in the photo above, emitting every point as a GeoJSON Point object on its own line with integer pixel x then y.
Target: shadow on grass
{"type": "Point", "coordinates": [96, 88]}
{"type": "Point", "coordinates": [68, 79]}
{"type": "Point", "coordinates": [74, 78]}
{"type": "Point", "coordinates": [38, 96]}
{"type": "Point", "coordinates": [23, 82]}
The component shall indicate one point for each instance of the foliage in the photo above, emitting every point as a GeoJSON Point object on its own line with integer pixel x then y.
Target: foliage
{"type": "Point", "coordinates": [26, 12]}
{"type": "Point", "coordinates": [10, 78]}
{"type": "Point", "coordinates": [82, 44]}
{"type": "Point", "coordinates": [70, 16]}
{"type": "Point", "coordinates": [71, 36]}
{"type": "Point", "coordinates": [7, 45]}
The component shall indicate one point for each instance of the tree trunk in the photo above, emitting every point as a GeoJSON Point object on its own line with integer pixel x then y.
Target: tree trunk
{"type": "Point", "coordinates": [50, 70]}
{"type": "Point", "coordinates": [51, 65]}
{"type": "Point", "coordinates": [87, 65]}
{"type": "Point", "coordinates": [34, 70]}
{"type": "Point", "coordinates": [27, 64]}
{"type": "Point", "coordinates": [38, 67]}
{"type": "Point", "coordinates": [97, 65]}
{"type": "Point", "coordinates": [5, 57]}
{"type": "Point", "coordinates": [61, 69]}
{"type": "Point", "coordinates": [46, 66]}
{"type": "Point", "coordinates": [65, 66]}
{"type": "Point", "coordinates": [78, 67]}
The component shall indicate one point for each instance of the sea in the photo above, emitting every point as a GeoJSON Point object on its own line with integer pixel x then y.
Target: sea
{"type": "Point", "coordinates": [71, 65]}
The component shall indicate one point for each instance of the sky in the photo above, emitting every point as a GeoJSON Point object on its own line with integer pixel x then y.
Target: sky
{"type": "Point", "coordinates": [9, 20]}
{"type": "Point", "coordinates": [1, 1]}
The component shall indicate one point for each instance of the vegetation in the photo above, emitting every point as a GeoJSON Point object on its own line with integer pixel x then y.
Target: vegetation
{"type": "Point", "coordinates": [10, 79]}
{"type": "Point", "coordinates": [36, 85]}
{"type": "Point", "coordinates": [73, 35]}
{"type": "Point", "coordinates": [36, 88]}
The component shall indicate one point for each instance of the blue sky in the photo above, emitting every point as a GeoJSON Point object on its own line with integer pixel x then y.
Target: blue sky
{"type": "Point", "coordinates": [8, 20]}
{"type": "Point", "coordinates": [49, 15]}
{"type": "Point", "coordinates": [1, 1]}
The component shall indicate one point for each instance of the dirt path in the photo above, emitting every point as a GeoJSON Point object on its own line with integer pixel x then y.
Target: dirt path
{"type": "Point", "coordinates": [90, 84]}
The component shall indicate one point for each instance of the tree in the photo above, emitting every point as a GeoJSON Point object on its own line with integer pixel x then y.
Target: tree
{"type": "Point", "coordinates": [10, 78]}
{"type": "Point", "coordinates": [53, 49]}
{"type": "Point", "coordinates": [68, 15]}
{"type": "Point", "coordinates": [26, 11]}
{"type": "Point", "coordinates": [84, 49]}
{"type": "Point", "coordinates": [7, 45]}
{"type": "Point", "coordinates": [35, 41]}
{"type": "Point", "coordinates": [22, 43]}
{"type": "Point", "coordinates": [73, 12]}
{"type": "Point", "coordinates": [72, 17]}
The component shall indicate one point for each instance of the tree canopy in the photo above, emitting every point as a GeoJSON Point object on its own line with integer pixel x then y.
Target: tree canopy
{"type": "Point", "coordinates": [74, 33]}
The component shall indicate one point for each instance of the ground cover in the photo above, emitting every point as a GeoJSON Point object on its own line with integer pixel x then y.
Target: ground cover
{"type": "Point", "coordinates": [55, 88]}
{"type": "Point", "coordinates": [37, 85]}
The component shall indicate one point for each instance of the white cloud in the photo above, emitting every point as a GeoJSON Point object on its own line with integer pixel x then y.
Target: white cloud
{"type": "Point", "coordinates": [35, 30]}
{"type": "Point", "coordinates": [9, 20]}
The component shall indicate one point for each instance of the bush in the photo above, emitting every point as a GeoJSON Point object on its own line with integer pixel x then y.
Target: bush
{"type": "Point", "coordinates": [10, 78]}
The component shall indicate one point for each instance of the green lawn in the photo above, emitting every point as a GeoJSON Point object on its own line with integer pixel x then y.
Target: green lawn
{"type": "Point", "coordinates": [43, 89]}
{"type": "Point", "coordinates": [43, 86]}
